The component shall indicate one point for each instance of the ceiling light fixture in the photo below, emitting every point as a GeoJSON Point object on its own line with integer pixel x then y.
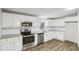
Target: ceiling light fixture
{"type": "Point", "coordinates": [42, 17]}
{"type": "Point", "coordinates": [70, 8]}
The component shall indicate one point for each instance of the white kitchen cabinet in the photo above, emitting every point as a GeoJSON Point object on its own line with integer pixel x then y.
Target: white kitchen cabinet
{"type": "Point", "coordinates": [36, 40]}
{"type": "Point", "coordinates": [51, 23]}
{"type": "Point", "coordinates": [18, 43]}
{"type": "Point", "coordinates": [6, 45]}
{"type": "Point", "coordinates": [36, 22]}
{"type": "Point", "coordinates": [59, 35]}
{"type": "Point", "coordinates": [58, 22]}
{"type": "Point", "coordinates": [18, 19]}
{"type": "Point", "coordinates": [11, 44]}
{"type": "Point", "coordinates": [48, 36]}
{"type": "Point", "coordinates": [7, 20]}
{"type": "Point", "coordinates": [53, 35]}
{"type": "Point", "coordinates": [14, 20]}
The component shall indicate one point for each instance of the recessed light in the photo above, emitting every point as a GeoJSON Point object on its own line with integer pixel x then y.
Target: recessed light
{"type": "Point", "coordinates": [70, 8]}
{"type": "Point", "coordinates": [42, 17]}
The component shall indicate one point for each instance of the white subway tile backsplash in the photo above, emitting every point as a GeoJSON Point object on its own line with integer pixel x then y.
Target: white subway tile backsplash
{"type": "Point", "coordinates": [10, 31]}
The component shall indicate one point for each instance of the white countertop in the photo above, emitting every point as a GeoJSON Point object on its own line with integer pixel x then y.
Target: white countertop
{"type": "Point", "coordinates": [34, 31]}
{"type": "Point", "coordinates": [10, 36]}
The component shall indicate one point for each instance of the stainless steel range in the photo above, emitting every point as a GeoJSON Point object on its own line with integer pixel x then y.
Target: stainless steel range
{"type": "Point", "coordinates": [28, 38]}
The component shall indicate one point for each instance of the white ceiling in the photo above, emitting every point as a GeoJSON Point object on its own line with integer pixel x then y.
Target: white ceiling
{"type": "Point", "coordinates": [43, 12]}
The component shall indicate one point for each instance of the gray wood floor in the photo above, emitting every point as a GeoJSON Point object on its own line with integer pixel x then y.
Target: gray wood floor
{"type": "Point", "coordinates": [56, 45]}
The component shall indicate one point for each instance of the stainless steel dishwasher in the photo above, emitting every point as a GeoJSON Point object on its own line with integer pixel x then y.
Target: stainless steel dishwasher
{"type": "Point", "coordinates": [40, 38]}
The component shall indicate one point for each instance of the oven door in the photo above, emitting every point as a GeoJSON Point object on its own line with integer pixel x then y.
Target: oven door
{"type": "Point", "coordinates": [28, 39]}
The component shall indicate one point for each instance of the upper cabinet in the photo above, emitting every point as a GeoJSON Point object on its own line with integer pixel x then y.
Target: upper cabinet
{"type": "Point", "coordinates": [51, 22]}
{"type": "Point", "coordinates": [21, 18]}
{"type": "Point", "coordinates": [7, 20]}
{"type": "Point", "coordinates": [14, 20]}
{"type": "Point", "coordinates": [58, 22]}
{"type": "Point", "coordinates": [18, 19]}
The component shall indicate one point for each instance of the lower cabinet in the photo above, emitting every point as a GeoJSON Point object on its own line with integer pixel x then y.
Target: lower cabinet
{"type": "Point", "coordinates": [11, 44]}
{"type": "Point", "coordinates": [18, 44]}
{"type": "Point", "coordinates": [59, 35]}
{"type": "Point", "coordinates": [48, 36]}
{"type": "Point", "coordinates": [5, 45]}
{"type": "Point", "coordinates": [53, 35]}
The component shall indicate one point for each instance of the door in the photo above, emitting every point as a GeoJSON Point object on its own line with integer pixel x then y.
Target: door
{"type": "Point", "coordinates": [71, 31]}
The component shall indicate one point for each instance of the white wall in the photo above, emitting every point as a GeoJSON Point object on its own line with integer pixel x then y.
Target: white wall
{"type": "Point", "coordinates": [0, 23]}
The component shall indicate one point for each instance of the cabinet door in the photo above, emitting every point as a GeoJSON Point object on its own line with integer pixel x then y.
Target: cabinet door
{"type": "Point", "coordinates": [18, 19]}
{"type": "Point", "coordinates": [11, 45]}
{"type": "Point", "coordinates": [48, 36]}
{"type": "Point", "coordinates": [5, 46]}
{"type": "Point", "coordinates": [36, 22]}
{"type": "Point", "coordinates": [59, 35]}
{"type": "Point", "coordinates": [18, 43]}
{"type": "Point", "coordinates": [8, 20]}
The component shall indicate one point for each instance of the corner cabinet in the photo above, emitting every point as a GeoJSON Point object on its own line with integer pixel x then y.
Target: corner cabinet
{"type": "Point", "coordinates": [59, 35]}
{"type": "Point", "coordinates": [48, 36]}
{"type": "Point", "coordinates": [11, 44]}
{"type": "Point", "coordinates": [53, 35]}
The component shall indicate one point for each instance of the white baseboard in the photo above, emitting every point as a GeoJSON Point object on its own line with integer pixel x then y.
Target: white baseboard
{"type": "Point", "coordinates": [62, 40]}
